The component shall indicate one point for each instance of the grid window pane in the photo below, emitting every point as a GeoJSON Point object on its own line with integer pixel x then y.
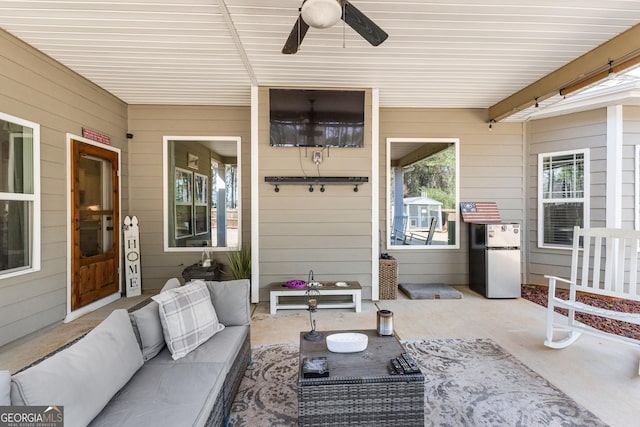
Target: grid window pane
{"type": "Point", "coordinates": [562, 181]}
{"type": "Point", "coordinates": [16, 158]}
{"type": "Point", "coordinates": [19, 247]}
{"type": "Point", "coordinates": [559, 220]}
{"type": "Point", "coordinates": [14, 234]}
{"type": "Point", "coordinates": [563, 176]}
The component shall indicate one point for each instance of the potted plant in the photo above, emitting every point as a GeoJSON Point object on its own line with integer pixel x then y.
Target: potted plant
{"type": "Point", "coordinates": [240, 263]}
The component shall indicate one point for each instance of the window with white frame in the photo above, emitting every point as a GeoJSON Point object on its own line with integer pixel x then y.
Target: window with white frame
{"type": "Point", "coordinates": [563, 199]}
{"type": "Point", "coordinates": [19, 196]}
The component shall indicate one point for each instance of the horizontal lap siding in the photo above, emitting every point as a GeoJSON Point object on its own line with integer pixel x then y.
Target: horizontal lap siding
{"type": "Point", "coordinates": [570, 132]}
{"type": "Point", "coordinates": [491, 169]}
{"type": "Point", "coordinates": [149, 124]}
{"type": "Point", "coordinates": [34, 87]}
{"type": "Point", "coordinates": [328, 232]}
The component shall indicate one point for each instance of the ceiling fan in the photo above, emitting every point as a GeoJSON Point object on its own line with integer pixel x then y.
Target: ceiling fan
{"type": "Point", "coordinates": [326, 13]}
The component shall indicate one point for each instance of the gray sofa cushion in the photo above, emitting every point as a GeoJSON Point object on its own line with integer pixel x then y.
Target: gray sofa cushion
{"type": "Point", "coordinates": [147, 327]}
{"type": "Point", "coordinates": [165, 394]}
{"type": "Point", "coordinates": [231, 300]}
{"type": "Point", "coordinates": [84, 376]}
{"type": "Point", "coordinates": [5, 386]}
{"type": "Point", "coordinates": [223, 348]}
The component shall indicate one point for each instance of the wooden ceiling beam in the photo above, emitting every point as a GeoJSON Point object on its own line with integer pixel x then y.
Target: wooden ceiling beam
{"type": "Point", "coordinates": [424, 151]}
{"type": "Point", "coordinates": [619, 49]}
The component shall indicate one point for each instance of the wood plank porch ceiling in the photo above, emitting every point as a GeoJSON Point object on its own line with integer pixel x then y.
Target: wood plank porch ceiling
{"type": "Point", "coordinates": [493, 54]}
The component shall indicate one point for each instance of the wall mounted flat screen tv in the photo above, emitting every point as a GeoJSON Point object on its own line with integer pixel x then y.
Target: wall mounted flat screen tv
{"type": "Point", "coordinates": [316, 118]}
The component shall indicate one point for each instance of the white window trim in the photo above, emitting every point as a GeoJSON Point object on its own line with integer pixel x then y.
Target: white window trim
{"type": "Point", "coordinates": [636, 201]}
{"type": "Point", "coordinates": [34, 214]}
{"type": "Point", "coordinates": [584, 200]}
{"type": "Point", "coordinates": [456, 245]}
{"type": "Point", "coordinates": [165, 192]}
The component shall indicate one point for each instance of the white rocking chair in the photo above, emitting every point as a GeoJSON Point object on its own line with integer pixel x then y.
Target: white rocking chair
{"type": "Point", "coordinates": [604, 262]}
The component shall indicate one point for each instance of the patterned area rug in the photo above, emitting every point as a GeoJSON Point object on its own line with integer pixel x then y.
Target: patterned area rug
{"type": "Point", "coordinates": [469, 382]}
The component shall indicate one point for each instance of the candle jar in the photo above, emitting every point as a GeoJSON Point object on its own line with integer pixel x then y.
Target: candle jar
{"type": "Point", "coordinates": [385, 323]}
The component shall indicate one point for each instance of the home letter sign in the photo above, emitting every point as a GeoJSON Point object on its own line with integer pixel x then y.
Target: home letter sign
{"type": "Point", "coordinates": [132, 256]}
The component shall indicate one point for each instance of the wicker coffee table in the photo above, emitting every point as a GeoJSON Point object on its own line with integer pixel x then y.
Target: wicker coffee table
{"type": "Point", "coordinates": [359, 390]}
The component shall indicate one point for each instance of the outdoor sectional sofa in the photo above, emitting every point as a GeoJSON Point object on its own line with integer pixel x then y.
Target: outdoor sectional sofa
{"type": "Point", "coordinates": [122, 374]}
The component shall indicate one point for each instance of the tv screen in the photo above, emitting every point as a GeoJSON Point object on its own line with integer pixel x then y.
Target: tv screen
{"type": "Point", "coordinates": [316, 118]}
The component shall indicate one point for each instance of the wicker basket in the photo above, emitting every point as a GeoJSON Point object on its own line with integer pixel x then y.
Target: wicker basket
{"type": "Point", "coordinates": [388, 278]}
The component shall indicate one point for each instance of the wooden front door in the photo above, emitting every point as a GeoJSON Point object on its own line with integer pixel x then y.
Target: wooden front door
{"type": "Point", "coordinates": [95, 224]}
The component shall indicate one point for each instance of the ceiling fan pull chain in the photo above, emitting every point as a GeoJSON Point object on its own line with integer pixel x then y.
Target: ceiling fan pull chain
{"type": "Point", "coordinates": [344, 26]}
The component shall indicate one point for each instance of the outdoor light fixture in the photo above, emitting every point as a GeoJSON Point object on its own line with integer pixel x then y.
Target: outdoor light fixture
{"type": "Point", "coordinates": [321, 13]}
{"type": "Point", "coordinates": [611, 74]}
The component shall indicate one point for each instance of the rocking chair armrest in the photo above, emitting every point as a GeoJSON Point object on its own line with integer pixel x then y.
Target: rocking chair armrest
{"type": "Point", "coordinates": [556, 278]}
{"type": "Point", "coordinates": [552, 282]}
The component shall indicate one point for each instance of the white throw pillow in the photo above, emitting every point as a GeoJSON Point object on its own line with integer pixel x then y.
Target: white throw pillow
{"type": "Point", "coordinates": [188, 318]}
{"type": "Point", "coordinates": [5, 387]}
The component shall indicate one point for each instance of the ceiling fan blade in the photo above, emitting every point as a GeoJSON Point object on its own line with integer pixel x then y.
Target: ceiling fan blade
{"type": "Point", "coordinates": [363, 25]}
{"type": "Point", "coordinates": [294, 41]}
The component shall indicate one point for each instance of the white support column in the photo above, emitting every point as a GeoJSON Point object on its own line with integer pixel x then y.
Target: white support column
{"type": "Point", "coordinates": [375, 193]}
{"type": "Point", "coordinates": [614, 167]}
{"type": "Point", "coordinates": [614, 173]}
{"type": "Point", "coordinates": [255, 223]}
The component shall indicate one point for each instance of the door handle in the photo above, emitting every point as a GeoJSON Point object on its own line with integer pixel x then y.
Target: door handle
{"type": "Point", "coordinates": [109, 228]}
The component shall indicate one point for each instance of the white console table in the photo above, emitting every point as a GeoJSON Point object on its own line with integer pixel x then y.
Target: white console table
{"type": "Point", "coordinates": [279, 294]}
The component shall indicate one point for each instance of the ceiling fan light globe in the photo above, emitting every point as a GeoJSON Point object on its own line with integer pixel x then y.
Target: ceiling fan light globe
{"type": "Point", "coordinates": [321, 13]}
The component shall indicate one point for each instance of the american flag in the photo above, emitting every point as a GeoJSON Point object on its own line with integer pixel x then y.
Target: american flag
{"type": "Point", "coordinates": [480, 212]}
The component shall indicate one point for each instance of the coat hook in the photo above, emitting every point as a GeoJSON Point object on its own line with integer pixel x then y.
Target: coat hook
{"type": "Point", "coordinates": [310, 188]}
{"type": "Point", "coordinates": [322, 188]}
{"type": "Point", "coordinates": [355, 188]}
{"type": "Point", "coordinates": [277, 189]}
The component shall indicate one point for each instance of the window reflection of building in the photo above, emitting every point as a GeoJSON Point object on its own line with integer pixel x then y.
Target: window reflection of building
{"type": "Point", "coordinates": [208, 218]}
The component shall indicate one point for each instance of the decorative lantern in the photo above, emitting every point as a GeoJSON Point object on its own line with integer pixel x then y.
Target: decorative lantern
{"type": "Point", "coordinates": [312, 296]}
{"type": "Point", "coordinates": [385, 322]}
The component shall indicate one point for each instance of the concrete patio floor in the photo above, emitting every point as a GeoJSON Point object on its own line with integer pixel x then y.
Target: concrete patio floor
{"type": "Point", "coordinates": [601, 375]}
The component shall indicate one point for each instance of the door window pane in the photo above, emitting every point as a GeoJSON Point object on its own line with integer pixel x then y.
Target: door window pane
{"type": "Point", "coordinates": [96, 211]}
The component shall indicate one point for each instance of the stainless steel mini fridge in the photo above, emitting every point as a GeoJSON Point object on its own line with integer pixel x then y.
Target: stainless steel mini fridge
{"type": "Point", "coordinates": [494, 259]}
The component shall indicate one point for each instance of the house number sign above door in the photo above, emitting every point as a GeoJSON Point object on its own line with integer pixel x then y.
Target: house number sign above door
{"type": "Point", "coordinates": [132, 256]}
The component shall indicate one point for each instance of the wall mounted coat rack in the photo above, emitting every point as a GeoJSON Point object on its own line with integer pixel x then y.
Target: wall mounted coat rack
{"type": "Point", "coordinates": [316, 180]}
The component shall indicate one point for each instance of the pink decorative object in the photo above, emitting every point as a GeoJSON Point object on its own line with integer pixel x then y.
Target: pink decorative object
{"type": "Point", "coordinates": [296, 284]}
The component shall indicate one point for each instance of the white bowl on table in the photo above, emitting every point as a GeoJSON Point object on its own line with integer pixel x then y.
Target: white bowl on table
{"type": "Point", "coordinates": [347, 342]}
